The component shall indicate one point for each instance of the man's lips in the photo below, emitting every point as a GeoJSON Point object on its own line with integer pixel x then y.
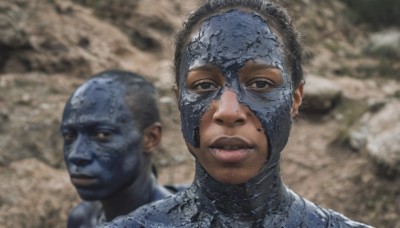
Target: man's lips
{"type": "Point", "coordinates": [81, 180]}
{"type": "Point", "coordinates": [231, 150]}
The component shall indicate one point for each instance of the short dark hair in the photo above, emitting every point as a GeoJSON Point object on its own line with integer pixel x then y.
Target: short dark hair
{"type": "Point", "coordinates": [272, 12]}
{"type": "Point", "coordinates": [140, 95]}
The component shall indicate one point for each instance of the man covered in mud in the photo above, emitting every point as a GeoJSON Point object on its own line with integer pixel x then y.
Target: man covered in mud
{"type": "Point", "coordinates": [111, 127]}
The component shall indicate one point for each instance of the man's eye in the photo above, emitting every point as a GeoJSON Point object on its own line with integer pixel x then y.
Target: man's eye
{"type": "Point", "coordinates": [103, 136]}
{"type": "Point", "coordinates": [69, 137]}
{"type": "Point", "coordinates": [204, 85]}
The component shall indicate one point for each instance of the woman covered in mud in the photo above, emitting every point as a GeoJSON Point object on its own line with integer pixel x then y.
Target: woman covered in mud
{"type": "Point", "coordinates": [239, 84]}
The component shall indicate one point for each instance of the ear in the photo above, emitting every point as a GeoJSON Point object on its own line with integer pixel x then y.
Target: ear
{"type": "Point", "coordinates": [297, 99]}
{"type": "Point", "coordinates": [152, 138]}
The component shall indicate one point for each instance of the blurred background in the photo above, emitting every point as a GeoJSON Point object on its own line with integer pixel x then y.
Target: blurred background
{"type": "Point", "coordinates": [344, 150]}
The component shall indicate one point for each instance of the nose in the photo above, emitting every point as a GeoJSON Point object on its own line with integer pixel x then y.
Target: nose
{"type": "Point", "coordinates": [229, 111]}
{"type": "Point", "coordinates": [80, 152]}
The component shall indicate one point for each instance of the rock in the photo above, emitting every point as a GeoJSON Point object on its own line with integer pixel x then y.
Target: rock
{"type": "Point", "coordinates": [12, 28]}
{"type": "Point", "coordinates": [379, 134]}
{"type": "Point", "coordinates": [385, 150]}
{"type": "Point", "coordinates": [35, 195]}
{"type": "Point", "coordinates": [358, 138]}
{"type": "Point", "coordinates": [320, 95]}
{"type": "Point", "coordinates": [30, 117]}
{"type": "Point", "coordinates": [385, 44]}
{"type": "Point", "coordinates": [33, 41]}
{"type": "Point", "coordinates": [383, 141]}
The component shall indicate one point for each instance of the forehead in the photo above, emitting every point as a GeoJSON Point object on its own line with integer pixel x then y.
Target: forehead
{"type": "Point", "coordinates": [102, 90]}
{"type": "Point", "coordinates": [98, 86]}
{"type": "Point", "coordinates": [97, 99]}
{"type": "Point", "coordinates": [234, 37]}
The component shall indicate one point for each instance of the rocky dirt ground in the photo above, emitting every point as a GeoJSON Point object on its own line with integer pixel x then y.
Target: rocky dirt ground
{"type": "Point", "coordinates": [48, 48]}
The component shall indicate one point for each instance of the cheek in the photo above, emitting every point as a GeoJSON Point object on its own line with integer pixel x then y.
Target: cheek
{"type": "Point", "coordinates": [107, 157]}
{"type": "Point", "coordinates": [130, 164]}
{"type": "Point", "coordinates": [273, 111]}
{"type": "Point", "coordinates": [192, 107]}
{"type": "Point", "coordinates": [206, 117]}
{"type": "Point", "coordinates": [66, 150]}
{"type": "Point", "coordinates": [110, 152]}
{"type": "Point", "coordinates": [66, 154]}
{"type": "Point", "coordinates": [129, 140]}
{"type": "Point", "coordinates": [131, 150]}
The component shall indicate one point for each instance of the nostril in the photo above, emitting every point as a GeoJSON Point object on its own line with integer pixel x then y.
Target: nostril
{"type": "Point", "coordinates": [238, 122]}
{"type": "Point", "coordinates": [229, 118]}
{"type": "Point", "coordinates": [82, 162]}
{"type": "Point", "coordinates": [229, 122]}
{"type": "Point", "coordinates": [219, 121]}
{"type": "Point", "coordinates": [79, 161]}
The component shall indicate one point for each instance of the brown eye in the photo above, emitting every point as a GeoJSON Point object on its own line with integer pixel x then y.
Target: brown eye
{"type": "Point", "coordinates": [260, 84]}
{"type": "Point", "coordinates": [103, 136]}
{"type": "Point", "coordinates": [204, 86]}
{"type": "Point", "coordinates": [69, 137]}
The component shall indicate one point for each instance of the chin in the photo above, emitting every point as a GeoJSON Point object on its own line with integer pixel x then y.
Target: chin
{"type": "Point", "coordinates": [231, 177]}
{"type": "Point", "coordinates": [90, 195]}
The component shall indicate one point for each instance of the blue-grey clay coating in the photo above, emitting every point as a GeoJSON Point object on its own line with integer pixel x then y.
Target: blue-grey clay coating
{"type": "Point", "coordinates": [118, 166]}
{"type": "Point", "coordinates": [227, 41]}
{"type": "Point", "coordinates": [100, 103]}
{"type": "Point", "coordinates": [229, 45]}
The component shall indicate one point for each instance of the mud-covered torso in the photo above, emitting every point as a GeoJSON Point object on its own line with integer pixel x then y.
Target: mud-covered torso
{"type": "Point", "coordinates": [228, 41]}
{"type": "Point", "coordinates": [202, 206]}
{"type": "Point", "coordinates": [185, 209]}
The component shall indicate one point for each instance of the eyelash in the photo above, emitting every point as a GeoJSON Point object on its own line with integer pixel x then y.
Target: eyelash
{"type": "Point", "coordinates": [266, 84]}
{"type": "Point", "coordinates": [105, 135]}
{"type": "Point", "coordinates": [69, 137]}
{"type": "Point", "coordinates": [102, 136]}
{"type": "Point", "coordinates": [209, 83]}
{"type": "Point", "coordinates": [206, 85]}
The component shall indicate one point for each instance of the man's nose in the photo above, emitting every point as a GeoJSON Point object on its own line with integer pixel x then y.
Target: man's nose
{"type": "Point", "coordinates": [80, 154]}
{"type": "Point", "coordinates": [229, 111]}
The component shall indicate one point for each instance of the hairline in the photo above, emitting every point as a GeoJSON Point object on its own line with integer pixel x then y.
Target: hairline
{"type": "Point", "coordinates": [269, 21]}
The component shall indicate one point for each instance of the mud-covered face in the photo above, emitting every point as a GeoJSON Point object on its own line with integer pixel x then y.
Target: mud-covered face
{"type": "Point", "coordinates": [235, 54]}
{"type": "Point", "coordinates": [102, 142]}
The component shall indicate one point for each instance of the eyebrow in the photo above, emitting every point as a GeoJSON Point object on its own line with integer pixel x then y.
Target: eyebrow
{"type": "Point", "coordinates": [258, 66]}
{"type": "Point", "coordinates": [87, 124]}
{"type": "Point", "coordinates": [206, 67]}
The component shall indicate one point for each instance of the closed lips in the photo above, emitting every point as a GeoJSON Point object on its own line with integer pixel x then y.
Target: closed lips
{"type": "Point", "coordinates": [83, 176]}
{"type": "Point", "coordinates": [231, 150]}
{"type": "Point", "coordinates": [82, 180]}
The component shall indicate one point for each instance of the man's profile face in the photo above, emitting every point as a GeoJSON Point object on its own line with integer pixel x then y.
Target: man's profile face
{"type": "Point", "coordinates": [102, 142]}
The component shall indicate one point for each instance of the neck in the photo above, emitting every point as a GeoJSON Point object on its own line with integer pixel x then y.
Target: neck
{"type": "Point", "coordinates": [248, 202]}
{"type": "Point", "coordinates": [131, 197]}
